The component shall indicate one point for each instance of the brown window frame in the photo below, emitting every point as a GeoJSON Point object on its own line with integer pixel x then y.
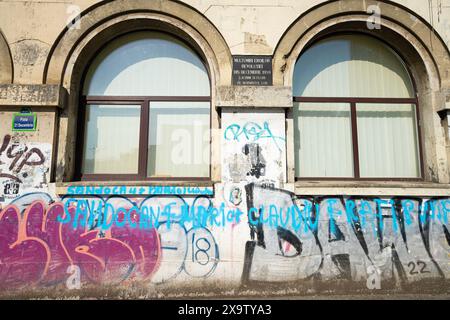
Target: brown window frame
{"type": "Point", "coordinates": [352, 102]}
{"type": "Point", "coordinates": [145, 105]}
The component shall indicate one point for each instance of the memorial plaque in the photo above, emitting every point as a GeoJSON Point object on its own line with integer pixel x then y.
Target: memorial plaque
{"type": "Point", "coordinates": [252, 70]}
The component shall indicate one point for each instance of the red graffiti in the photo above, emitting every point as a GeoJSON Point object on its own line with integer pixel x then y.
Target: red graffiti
{"type": "Point", "coordinates": [36, 249]}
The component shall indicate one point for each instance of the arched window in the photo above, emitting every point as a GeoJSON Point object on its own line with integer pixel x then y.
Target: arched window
{"type": "Point", "coordinates": [146, 111]}
{"type": "Point", "coordinates": [355, 112]}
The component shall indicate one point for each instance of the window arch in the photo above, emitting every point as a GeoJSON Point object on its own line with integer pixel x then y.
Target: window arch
{"type": "Point", "coordinates": [146, 111]}
{"type": "Point", "coordinates": [355, 111]}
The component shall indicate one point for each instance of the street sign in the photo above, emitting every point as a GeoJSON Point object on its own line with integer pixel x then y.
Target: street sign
{"type": "Point", "coordinates": [24, 122]}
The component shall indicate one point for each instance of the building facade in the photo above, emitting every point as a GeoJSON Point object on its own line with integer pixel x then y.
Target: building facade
{"type": "Point", "coordinates": [211, 145]}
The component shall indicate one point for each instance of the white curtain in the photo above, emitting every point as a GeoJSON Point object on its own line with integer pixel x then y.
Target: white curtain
{"type": "Point", "coordinates": [147, 64]}
{"type": "Point", "coordinates": [179, 139]}
{"type": "Point", "coordinates": [351, 66]}
{"type": "Point", "coordinates": [388, 141]}
{"type": "Point", "coordinates": [323, 140]}
{"type": "Point", "coordinates": [354, 66]}
{"type": "Point", "coordinates": [111, 143]}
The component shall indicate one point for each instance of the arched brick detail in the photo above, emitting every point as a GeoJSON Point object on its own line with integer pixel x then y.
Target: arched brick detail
{"type": "Point", "coordinates": [75, 48]}
{"type": "Point", "coordinates": [394, 17]}
{"type": "Point", "coordinates": [97, 18]}
{"type": "Point", "coordinates": [6, 64]}
{"type": "Point", "coordinates": [421, 48]}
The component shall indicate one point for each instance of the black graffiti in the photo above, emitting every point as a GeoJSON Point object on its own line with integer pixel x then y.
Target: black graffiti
{"type": "Point", "coordinates": [11, 188]}
{"type": "Point", "coordinates": [378, 242]}
{"type": "Point", "coordinates": [20, 157]}
{"type": "Point", "coordinates": [420, 265]}
{"type": "Point", "coordinates": [258, 163]}
{"type": "Point", "coordinates": [342, 262]}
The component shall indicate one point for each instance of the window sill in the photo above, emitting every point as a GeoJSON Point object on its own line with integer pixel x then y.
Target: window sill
{"type": "Point", "coordinates": [135, 188]}
{"type": "Point", "coordinates": [372, 188]}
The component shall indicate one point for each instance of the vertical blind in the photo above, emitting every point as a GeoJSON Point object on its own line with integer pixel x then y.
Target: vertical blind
{"type": "Point", "coordinates": [388, 140]}
{"type": "Point", "coordinates": [112, 139]}
{"type": "Point", "coordinates": [146, 66]}
{"type": "Point", "coordinates": [179, 139]}
{"type": "Point", "coordinates": [348, 68]}
{"type": "Point", "coordinates": [351, 66]}
{"type": "Point", "coordinates": [325, 139]}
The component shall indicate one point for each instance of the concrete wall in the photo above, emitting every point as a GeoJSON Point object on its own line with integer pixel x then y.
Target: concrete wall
{"type": "Point", "coordinates": [250, 226]}
{"type": "Point", "coordinates": [245, 234]}
{"type": "Point", "coordinates": [248, 27]}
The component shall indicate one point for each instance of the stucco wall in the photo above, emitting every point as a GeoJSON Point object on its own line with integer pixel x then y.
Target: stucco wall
{"type": "Point", "coordinates": [248, 27]}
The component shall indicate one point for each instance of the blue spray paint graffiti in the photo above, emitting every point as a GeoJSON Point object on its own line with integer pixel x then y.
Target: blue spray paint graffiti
{"type": "Point", "coordinates": [92, 212]}
{"type": "Point", "coordinates": [253, 132]}
{"type": "Point", "coordinates": [139, 190]}
{"type": "Point", "coordinates": [346, 238]}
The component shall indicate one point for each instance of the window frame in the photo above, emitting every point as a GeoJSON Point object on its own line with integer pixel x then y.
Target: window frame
{"type": "Point", "coordinates": [353, 101]}
{"type": "Point", "coordinates": [145, 104]}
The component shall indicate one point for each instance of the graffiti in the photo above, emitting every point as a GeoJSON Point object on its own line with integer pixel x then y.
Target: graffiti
{"type": "Point", "coordinates": [367, 213]}
{"type": "Point", "coordinates": [11, 187]}
{"type": "Point", "coordinates": [36, 235]}
{"type": "Point", "coordinates": [252, 132]}
{"type": "Point", "coordinates": [96, 213]}
{"type": "Point", "coordinates": [139, 190]}
{"type": "Point", "coordinates": [254, 147]}
{"type": "Point", "coordinates": [38, 248]}
{"type": "Point", "coordinates": [187, 246]}
{"type": "Point", "coordinates": [23, 168]}
{"type": "Point", "coordinates": [203, 253]}
{"type": "Point", "coordinates": [258, 163]}
{"type": "Point", "coordinates": [235, 196]}
{"type": "Point", "coordinates": [21, 156]}
{"type": "Point", "coordinates": [420, 265]}
{"type": "Point", "coordinates": [156, 239]}
{"type": "Point", "coordinates": [347, 239]}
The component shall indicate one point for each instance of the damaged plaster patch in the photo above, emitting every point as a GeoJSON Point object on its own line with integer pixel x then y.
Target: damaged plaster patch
{"type": "Point", "coordinates": [258, 163]}
{"type": "Point", "coordinates": [29, 56]}
{"type": "Point", "coordinates": [256, 44]}
{"type": "Point", "coordinates": [28, 52]}
{"type": "Point", "coordinates": [238, 166]}
{"type": "Point", "coordinates": [30, 94]}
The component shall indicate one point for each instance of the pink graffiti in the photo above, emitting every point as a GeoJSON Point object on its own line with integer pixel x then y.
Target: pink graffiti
{"type": "Point", "coordinates": [36, 249]}
{"type": "Point", "coordinates": [19, 253]}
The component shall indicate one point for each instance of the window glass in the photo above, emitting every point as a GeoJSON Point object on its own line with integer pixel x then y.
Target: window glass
{"type": "Point", "coordinates": [179, 139]}
{"type": "Point", "coordinates": [162, 77]}
{"type": "Point", "coordinates": [111, 139]}
{"type": "Point", "coordinates": [338, 131]}
{"type": "Point", "coordinates": [351, 66]}
{"type": "Point", "coordinates": [323, 140]}
{"type": "Point", "coordinates": [147, 64]}
{"type": "Point", "coordinates": [388, 140]}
